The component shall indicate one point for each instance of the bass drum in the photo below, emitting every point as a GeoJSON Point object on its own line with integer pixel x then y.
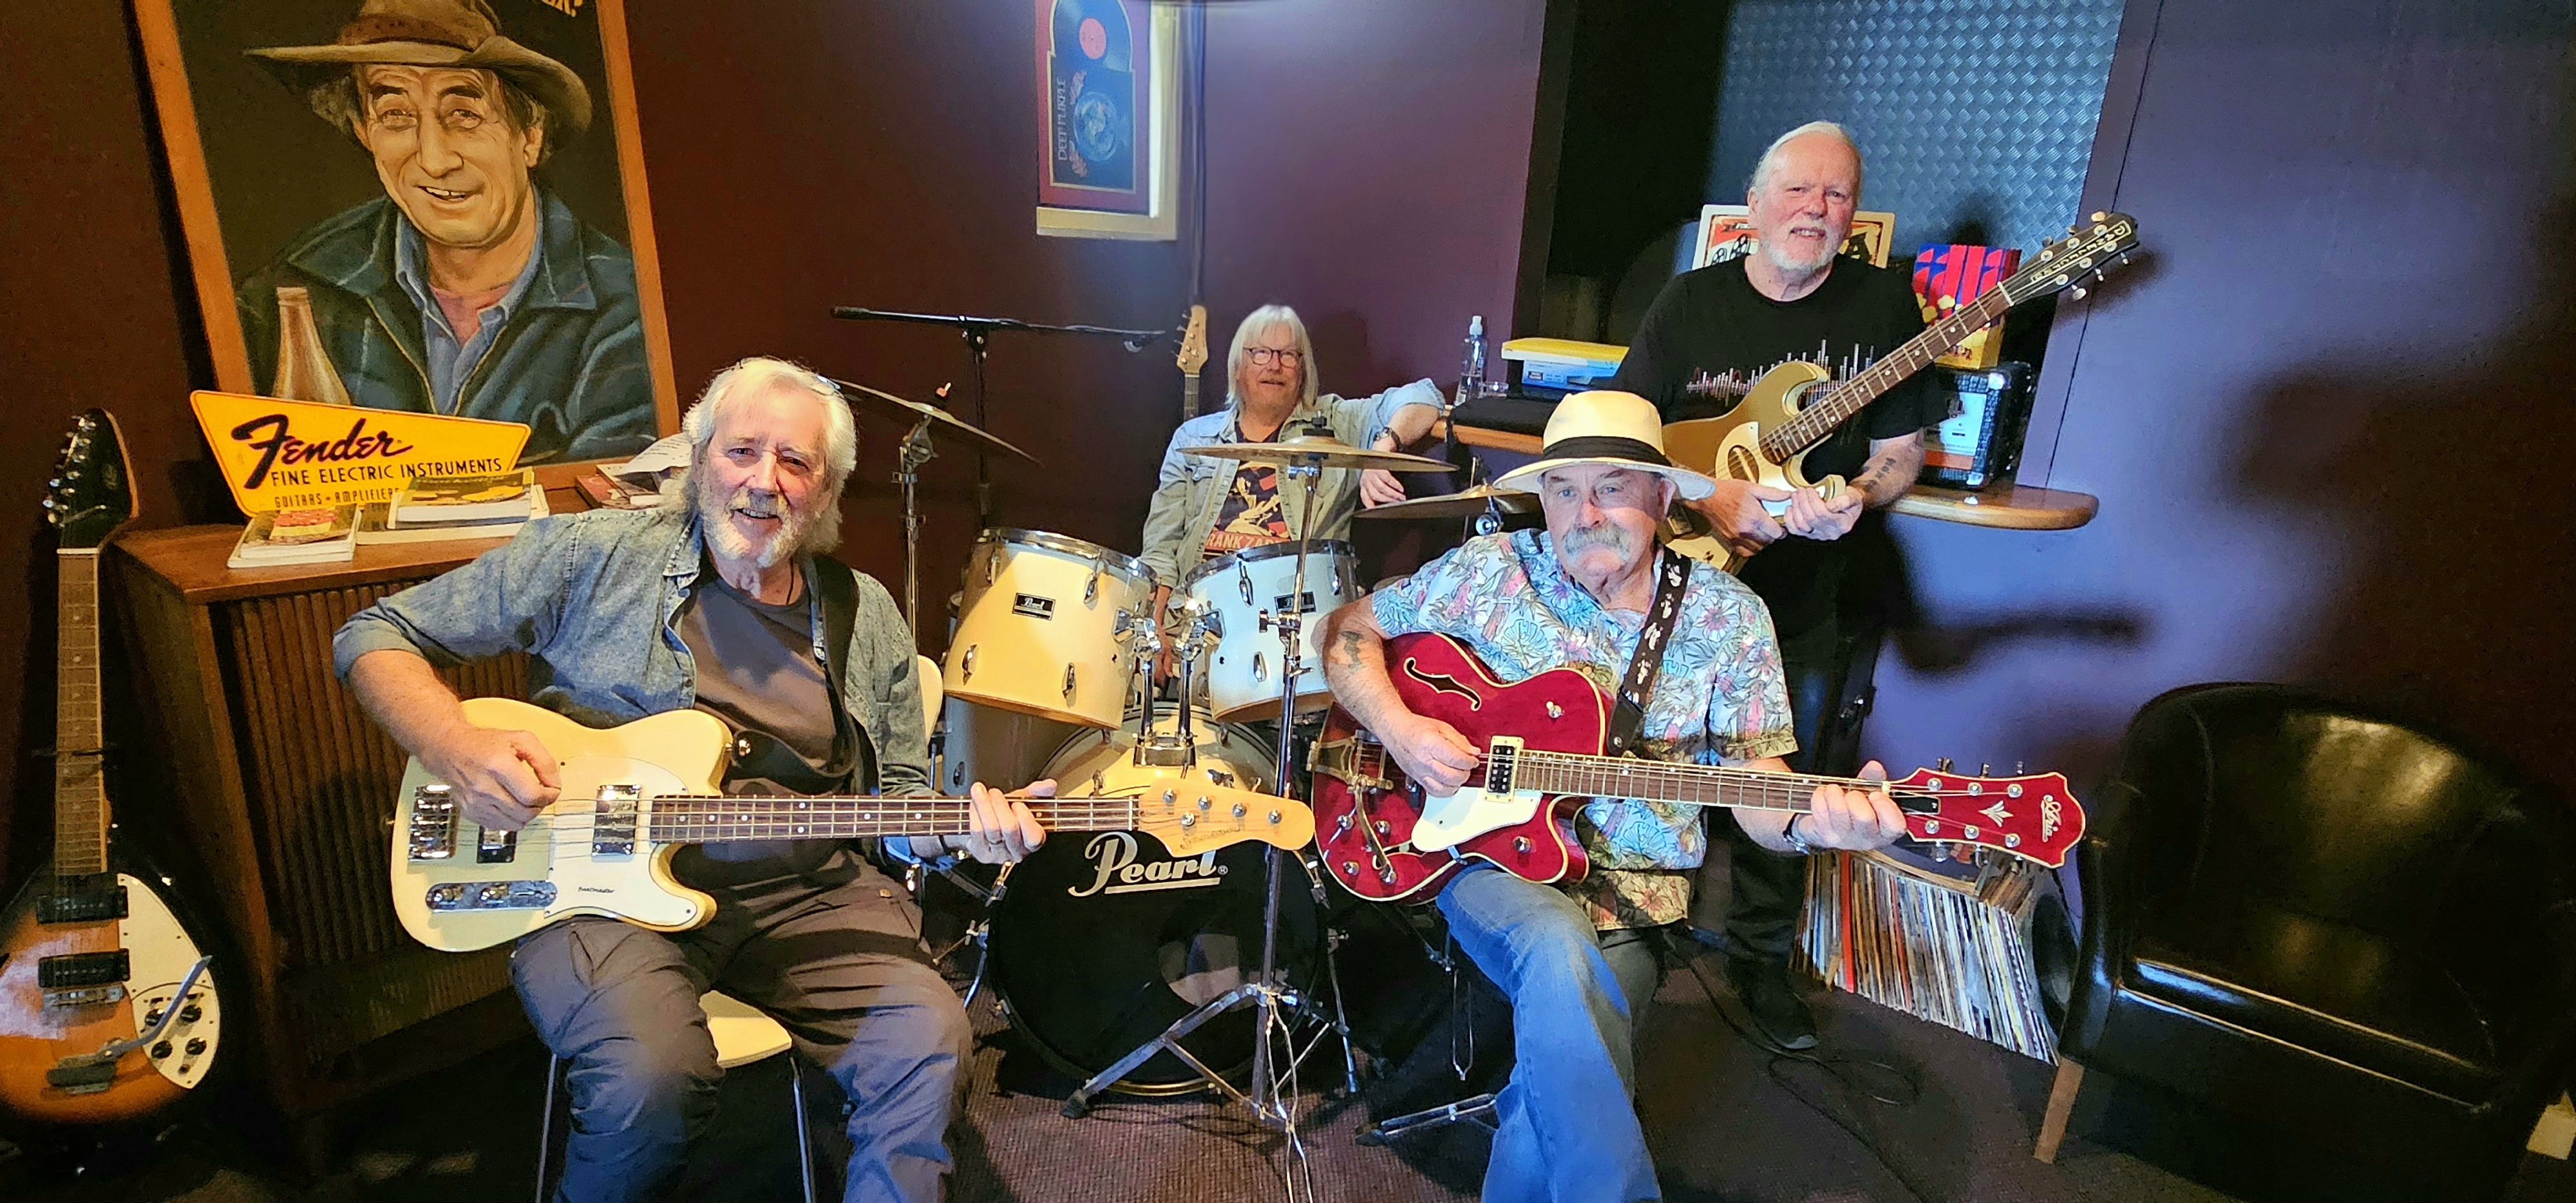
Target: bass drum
{"type": "Point", "coordinates": [1101, 942]}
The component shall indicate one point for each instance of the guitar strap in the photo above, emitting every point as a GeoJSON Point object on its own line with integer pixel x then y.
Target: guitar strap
{"type": "Point", "coordinates": [1628, 718]}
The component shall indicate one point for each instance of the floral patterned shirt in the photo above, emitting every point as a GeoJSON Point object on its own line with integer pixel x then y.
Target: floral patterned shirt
{"type": "Point", "coordinates": [1721, 698]}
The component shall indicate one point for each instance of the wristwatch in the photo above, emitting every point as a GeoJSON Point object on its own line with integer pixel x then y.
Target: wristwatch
{"type": "Point", "coordinates": [1797, 842]}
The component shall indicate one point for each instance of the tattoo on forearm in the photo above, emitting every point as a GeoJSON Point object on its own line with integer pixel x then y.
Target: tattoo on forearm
{"type": "Point", "coordinates": [1349, 643]}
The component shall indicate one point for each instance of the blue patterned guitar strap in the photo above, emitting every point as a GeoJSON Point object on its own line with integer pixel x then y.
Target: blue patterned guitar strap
{"type": "Point", "coordinates": [1628, 717]}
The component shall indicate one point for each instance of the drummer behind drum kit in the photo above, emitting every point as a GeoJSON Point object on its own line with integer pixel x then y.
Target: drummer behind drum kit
{"type": "Point", "coordinates": [1113, 958]}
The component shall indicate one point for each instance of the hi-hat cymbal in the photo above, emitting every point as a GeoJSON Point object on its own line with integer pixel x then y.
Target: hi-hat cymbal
{"type": "Point", "coordinates": [1464, 504]}
{"type": "Point", "coordinates": [887, 405]}
{"type": "Point", "coordinates": [1320, 451]}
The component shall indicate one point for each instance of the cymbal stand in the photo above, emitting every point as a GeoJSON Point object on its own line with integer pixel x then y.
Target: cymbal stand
{"type": "Point", "coordinates": [1265, 993]}
{"type": "Point", "coordinates": [915, 452]}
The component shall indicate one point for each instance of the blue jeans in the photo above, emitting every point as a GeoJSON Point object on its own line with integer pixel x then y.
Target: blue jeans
{"type": "Point", "coordinates": [1568, 1125]}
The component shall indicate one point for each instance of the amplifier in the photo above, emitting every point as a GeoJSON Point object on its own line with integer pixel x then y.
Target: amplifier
{"type": "Point", "coordinates": [1981, 442]}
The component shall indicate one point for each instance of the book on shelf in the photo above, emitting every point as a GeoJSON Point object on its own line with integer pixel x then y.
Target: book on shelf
{"type": "Point", "coordinates": [320, 535]}
{"type": "Point", "coordinates": [376, 526]}
{"type": "Point", "coordinates": [463, 500]}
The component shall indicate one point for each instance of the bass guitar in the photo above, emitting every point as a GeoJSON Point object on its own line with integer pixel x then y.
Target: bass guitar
{"type": "Point", "coordinates": [1795, 406]}
{"type": "Point", "coordinates": [1192, 358]}
{"type": "Point", "coordinates": [107, 1011]}
{"type": "Point", "coordinates": [632, 794]}
{"type": "Point", "coordinates": [1384, 838]}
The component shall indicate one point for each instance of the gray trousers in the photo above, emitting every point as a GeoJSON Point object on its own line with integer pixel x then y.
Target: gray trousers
{"type": "Point", "coordinates": [837, 962]}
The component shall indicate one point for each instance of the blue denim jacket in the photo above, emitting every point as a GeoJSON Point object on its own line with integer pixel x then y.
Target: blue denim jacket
{"type": "Point", "coordinates": [1193, 487]}
{"type": "Point", "coordinates": [594, 599]}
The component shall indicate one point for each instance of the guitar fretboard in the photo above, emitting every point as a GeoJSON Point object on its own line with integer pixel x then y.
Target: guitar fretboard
{"type": "Point", "coordinates": [698, 818]}
{"type": "Point", "coordinates": [80, 796]}
{"type": "Point", "coordinates": [1659, 781]}
{"type": "Point", "coordinates": [1840, 401]}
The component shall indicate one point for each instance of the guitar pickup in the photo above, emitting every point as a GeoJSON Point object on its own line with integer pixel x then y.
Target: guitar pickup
{"type": "Point", "coordinates": [83, 996]}
{"type": "Point", "coordinates": [83, 905]}
{"type": "Point", "coordinates": [612, 823]}
{"type": "Point", "coordinates": [83, 969]}
{"type": "Point", "coordinates": [496, 847]}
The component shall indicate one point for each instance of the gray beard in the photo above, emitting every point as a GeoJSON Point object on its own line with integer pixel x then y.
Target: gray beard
{"type": "Point", "coordinates": [730, 544]}
{"type": "Point", "coordinates": [1779, 260]}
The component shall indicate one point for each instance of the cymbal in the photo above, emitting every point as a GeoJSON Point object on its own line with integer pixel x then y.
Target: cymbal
{"type": "Point", "coordinates": [1464, 504]}
{"type": "Point", "coordinates": [1321, 451]}
{"type": "Point", "coordinates": [887, 405]}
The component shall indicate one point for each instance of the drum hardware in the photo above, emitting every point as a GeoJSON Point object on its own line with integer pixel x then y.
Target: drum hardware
{"type": "Point", "coordinates": [1255, 584]}
{"type": "Point", "coordinates": [915, 451]}
{"type": "Point", "coordinates": [1046, 606]}
{"type": "Point", "coordinates": [1300, 460]}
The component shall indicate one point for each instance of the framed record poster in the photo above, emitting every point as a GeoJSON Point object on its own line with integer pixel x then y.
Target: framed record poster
{"type": "Point", "coordinates": [433, 206]}
{"type": "Point", "coordinates": [1108, 76]}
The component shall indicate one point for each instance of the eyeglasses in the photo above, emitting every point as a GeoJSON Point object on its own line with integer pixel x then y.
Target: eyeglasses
{"type": "Point", "coordinates": [1267, 355]}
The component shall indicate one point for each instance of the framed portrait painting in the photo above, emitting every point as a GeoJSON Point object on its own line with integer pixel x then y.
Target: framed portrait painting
{"type": "Point", "coordinates": [433, 206]}
{"type": "Point", "coordinates": [1108, 84]}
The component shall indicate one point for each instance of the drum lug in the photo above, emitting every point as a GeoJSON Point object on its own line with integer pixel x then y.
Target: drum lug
{"type": "Point", "coordinates": [1260, 669]}
{"type": "Point", "coordinates": [993, 566]}
{"type": "Point", "coordinates": [1091, 588]}
{"type": "Point", "coordinates": [1068, 683]}
{"type": "Point", "coordinates": [966, 666]}
{"type": "Point", "coordinates": [1243, 582]}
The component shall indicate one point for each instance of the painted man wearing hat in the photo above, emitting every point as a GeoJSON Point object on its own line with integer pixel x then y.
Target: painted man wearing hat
{"type": "Point", "coordinates": [1581, 962]}
{"type": "Point", "coordinates": [466, 289]}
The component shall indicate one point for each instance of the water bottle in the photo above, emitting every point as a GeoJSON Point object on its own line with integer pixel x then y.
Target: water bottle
{"type": "Point", "coordinates": [1471, 381]}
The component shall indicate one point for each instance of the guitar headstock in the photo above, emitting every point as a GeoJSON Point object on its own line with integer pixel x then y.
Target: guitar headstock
{"type": "Point", "coordinates": [1194, 353]}
{"type": "Point", "coordinates": [2033, 817]}
{"type": "Point", "coordinates": [1192, 817]}
{"type": "Point", "coordinates": [2089, 250]}
{"type": "Point", "coordinates": [91, 493]}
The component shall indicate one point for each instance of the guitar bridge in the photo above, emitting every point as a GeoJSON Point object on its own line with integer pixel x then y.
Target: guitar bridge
{"type": "Point", "coordinates": [433, 823]}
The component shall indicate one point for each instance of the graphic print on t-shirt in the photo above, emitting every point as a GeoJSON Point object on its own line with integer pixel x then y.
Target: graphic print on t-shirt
{"type": "Point", "coordinates": [1251, 516]}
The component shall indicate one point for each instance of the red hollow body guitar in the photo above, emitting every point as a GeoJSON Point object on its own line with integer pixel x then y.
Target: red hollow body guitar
{"type": "Point", "coordinates": [1384, 838]}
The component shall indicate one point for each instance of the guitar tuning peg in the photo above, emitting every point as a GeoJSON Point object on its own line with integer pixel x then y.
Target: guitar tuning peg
{"type": "Point", "coordinates": [2124, 258]}
{"type": "Point", "coordinates": [1941, 765]}
{"type": "Point", "coordinates": [2099, 216]}
{"type": "Point", "coordinates": [2077, 292]}
{"type": "Point", "coordinates": [1985, 770]}
{"type": "Point", "coordinates": [2017, 769]}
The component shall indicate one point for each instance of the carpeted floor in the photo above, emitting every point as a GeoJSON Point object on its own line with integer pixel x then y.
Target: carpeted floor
{"type": "Point", "coordinates": [1726, 1123]}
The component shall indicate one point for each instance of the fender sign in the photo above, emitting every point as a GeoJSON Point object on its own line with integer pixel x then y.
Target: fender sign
{"type": "Point", "coordinates": [296, 454]}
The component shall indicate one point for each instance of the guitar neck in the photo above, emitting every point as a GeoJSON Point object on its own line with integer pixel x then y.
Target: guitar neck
{"type": "Point", "coordinates": [1823, 416]}
{"type": "Point", "coordinates": [1189, 395]}
{"type": "Point", "coordinates": [80, 795]}
{"type": "Point", "coordinates": [1657, 781]}
{"type": "Point", "coordinates": [701, 819]}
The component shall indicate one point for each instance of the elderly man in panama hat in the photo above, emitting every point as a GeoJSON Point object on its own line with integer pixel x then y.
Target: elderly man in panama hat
{"type": "Point", "coordinates": [466, 289]}
{"type": "Point", "coordinates": [1581, 962]}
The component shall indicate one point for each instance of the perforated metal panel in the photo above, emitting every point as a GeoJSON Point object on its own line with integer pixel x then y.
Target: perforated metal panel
{"type": "Point", "coordinates": [1969, 111]}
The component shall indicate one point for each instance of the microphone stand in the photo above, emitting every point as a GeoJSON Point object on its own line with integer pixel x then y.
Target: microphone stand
{"type": "Point", "coordinates": [978, 332]}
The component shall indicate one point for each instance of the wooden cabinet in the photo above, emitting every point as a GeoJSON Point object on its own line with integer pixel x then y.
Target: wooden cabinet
{"type": "Point", "coordinates": [285, 791]}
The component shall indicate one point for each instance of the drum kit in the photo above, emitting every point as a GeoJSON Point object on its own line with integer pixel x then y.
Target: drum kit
{"type": "Point", "coordinates": [1141, 972]}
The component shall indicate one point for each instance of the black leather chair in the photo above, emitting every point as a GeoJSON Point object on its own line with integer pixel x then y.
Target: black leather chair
{"type": "Point", "coordinates": [2305, 913]}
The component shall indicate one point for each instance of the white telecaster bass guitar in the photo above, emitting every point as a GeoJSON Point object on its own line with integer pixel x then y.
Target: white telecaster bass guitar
{"type": "Point", "coordinates": [633, 794]}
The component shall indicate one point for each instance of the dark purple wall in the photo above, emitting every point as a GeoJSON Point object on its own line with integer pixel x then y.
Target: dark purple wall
{"type": "Point", "coordinates": [2326, 415]}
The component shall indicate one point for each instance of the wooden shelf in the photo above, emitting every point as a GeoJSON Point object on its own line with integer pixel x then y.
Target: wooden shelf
{"type": "Point", "coordinates": [191, 559]}
{"type": "Point", "coordinates": [2017, 508]}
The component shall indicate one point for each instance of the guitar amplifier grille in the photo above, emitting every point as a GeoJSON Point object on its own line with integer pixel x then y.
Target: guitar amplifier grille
{"type": "Point", "coordinates": [320, 775]}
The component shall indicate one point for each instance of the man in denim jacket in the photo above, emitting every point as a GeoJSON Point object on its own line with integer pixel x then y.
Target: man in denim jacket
{"type": "Point", "coordinates": [714, 601]}
{"type": "Point", "coordinates": [1206, 507]}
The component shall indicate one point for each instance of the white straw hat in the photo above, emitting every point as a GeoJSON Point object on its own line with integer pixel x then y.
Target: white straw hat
{"type": "Point", "coordinates": [1603, 427]}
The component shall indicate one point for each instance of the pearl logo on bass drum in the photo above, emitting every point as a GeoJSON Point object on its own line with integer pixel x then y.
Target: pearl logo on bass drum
{"type": "Point", "coordinates": [1116, 871]}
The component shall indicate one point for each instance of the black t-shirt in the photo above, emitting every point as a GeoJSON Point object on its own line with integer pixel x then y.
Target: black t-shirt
{"type": "Point", "coordinates": [1711, 322]}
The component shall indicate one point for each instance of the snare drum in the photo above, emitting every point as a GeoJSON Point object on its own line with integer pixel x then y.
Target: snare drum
{"type": "Point", "coordinates": [1103, 940]}
{"type": "Point", "coordinates": [1240, 589]}
{"type": "Point", "coordinates": [1037, 629]}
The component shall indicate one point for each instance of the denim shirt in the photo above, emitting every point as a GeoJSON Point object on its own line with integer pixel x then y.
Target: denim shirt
{"type": "Point", "coordinates": [594, 600]}
{"type": "Point", "coordinates": [1193, 488]}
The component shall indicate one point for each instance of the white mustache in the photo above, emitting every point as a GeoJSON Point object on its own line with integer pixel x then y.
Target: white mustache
{"type": "Point", "coordinates": [756, 504]}
{"type": "Point", "coordinates": [1605, 535]}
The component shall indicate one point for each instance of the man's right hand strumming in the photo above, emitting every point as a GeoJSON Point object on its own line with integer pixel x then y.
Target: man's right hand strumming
{"type": "Point", "coordinates": [501, 778]}
{"type": "Point", "coordinates": [1431, 752]}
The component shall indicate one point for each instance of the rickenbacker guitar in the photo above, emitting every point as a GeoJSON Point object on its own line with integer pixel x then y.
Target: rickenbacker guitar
{"type": "Point", "coordinates": [1795, 406]}
{"type": "Point", "coordinates": [1383, 838]}
{"type": "Point", "coordinates": [632, 794]}
{"type": "Point", "coordinates": [107, 1009]}
{"type": "Point", "coordinates": [1192, 358]}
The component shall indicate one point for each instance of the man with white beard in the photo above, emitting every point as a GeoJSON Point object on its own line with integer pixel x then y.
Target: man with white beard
{"type": "Point", "coordinates": [1794, 296]}
{"type": "Point", "coordinates": [722, 600]}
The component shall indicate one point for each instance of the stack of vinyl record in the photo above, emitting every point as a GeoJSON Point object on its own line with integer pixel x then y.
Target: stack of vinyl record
{"type": "Point", "coordinates": [1928, 945]}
